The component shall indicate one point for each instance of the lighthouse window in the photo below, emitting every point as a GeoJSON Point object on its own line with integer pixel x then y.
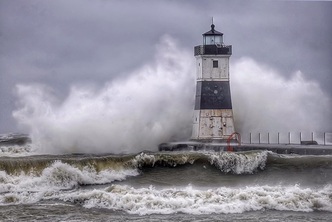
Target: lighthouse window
{"type": "Point", "coordinates": [215, 64]}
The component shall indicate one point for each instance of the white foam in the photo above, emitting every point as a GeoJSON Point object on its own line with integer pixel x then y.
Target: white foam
{"type": "Point", "coordinates": [142, 159]}
{"type": "Point", "coordinates": [239, 163]}
{"type": "Point", "coordinates": [17, 150]}
{"type": "Point", "coordinates": [228, 162]}
{"type": "Point", "coordinates": [28, 188]}
{"type": "Point", "coordinates": [172, 160]}
{"type": "Point", "coordinates": [59, 182]}
{"type": "Point", "coordinates": [197, 201]}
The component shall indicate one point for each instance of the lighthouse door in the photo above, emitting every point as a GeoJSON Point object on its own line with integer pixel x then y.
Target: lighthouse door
{"type": "Point", "coordinates": [211, 127]}
{"type": "Point", "coordinates": [216, 130]}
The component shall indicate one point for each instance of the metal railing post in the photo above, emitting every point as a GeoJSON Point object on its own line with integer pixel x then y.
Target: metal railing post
{"type": "Point", "coordinates": [259, 138]}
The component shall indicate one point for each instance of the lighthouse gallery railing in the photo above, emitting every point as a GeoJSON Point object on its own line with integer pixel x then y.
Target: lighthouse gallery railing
{"type": "Point", "coordinates": [213, 50]}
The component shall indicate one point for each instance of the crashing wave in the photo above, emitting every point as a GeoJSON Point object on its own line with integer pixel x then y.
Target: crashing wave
{"type": "Point", "coordinates": [227, 162]}
{"type": "Point", "coordinates": [29, 187]}
{"type": "Point", "coordinates": [239, 163]}
{"type": "Point", "coordinates": [189, 200]}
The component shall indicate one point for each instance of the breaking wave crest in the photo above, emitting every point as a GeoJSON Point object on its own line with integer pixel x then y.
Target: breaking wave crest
{"type": "Point", "coordinates": [247, 162]}
{"type": "Point", "coordinates": [31, 179]}
{"type": "Point", "coordinates": [195, 201]}
{"type": "Point", "coordinates": [227, 162]}
{"type": "Point", "coordinates": [16, 150]}
{"type": "Point", "coordinates": [15, 145]}
{"type": "Point", "coordinates": [29, 188]}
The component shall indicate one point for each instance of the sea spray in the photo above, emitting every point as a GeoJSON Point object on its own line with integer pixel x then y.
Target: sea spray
{"type": "Point", "coordinates": [266, 101]}
{"type": "Point", "coordinates": [154, 105]}
{"type": "Point", "coordinates": [125, 115]}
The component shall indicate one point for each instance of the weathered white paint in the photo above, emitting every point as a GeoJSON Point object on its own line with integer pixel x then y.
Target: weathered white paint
{"type": "Point", "coordinates": [212, 124]}
{"type": "Point", "coordinates": [205, 70]}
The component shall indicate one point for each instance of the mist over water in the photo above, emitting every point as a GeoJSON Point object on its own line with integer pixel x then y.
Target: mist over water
{"type": "Point", "coordinates": [155, 103]}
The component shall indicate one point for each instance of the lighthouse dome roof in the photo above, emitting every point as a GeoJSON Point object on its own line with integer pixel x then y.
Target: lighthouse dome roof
{"type": "Point", "coordinates": [213, 31]}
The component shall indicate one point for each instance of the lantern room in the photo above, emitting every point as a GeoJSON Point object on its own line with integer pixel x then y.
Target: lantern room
{"type": "Point", "coordinates": [213, 44]}
{"type": "Point", "coordinates": [213, 37]}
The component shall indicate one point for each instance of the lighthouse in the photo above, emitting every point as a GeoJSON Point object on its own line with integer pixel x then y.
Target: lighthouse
{"type": "Point", "coordinates": [213, 115]}
{"type": "Point", "coordinates": [213, 123]}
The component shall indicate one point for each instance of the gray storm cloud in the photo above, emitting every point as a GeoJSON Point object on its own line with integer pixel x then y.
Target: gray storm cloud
{"type": "Point", "coordinates": [65, 43]}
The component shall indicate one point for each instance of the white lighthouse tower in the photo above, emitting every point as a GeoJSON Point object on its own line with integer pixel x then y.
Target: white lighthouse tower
{"type": "Point", "coordinates": [213, 114]}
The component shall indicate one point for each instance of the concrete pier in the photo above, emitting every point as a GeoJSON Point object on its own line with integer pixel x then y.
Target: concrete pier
{"type": "Point", "coordinates": [276, 148]}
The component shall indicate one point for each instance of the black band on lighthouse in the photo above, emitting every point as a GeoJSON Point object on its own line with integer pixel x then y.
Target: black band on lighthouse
{"type": "Point", "coordinates": [213, 95]}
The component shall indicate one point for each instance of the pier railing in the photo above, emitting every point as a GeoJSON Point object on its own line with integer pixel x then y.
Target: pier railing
{"type": "Point", "coordinates": [308, 138]}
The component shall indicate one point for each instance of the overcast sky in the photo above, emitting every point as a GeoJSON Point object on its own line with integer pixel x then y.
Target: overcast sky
{"type": "Point", "coordinates": [60, 43]}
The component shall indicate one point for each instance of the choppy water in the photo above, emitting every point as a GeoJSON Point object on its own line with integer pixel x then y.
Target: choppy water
{"type": "Point", "coordinates": [168, 186]}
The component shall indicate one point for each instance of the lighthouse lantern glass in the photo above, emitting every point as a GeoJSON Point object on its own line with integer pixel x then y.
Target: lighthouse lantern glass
{"type": "Point", "coordinates": [212, 39]}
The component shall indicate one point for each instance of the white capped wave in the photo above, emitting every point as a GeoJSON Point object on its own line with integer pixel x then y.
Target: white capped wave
{"type": "Point", "coordinates": [239, 163]}
{"type": "Point", "coordinates": [30, 188]}
{"type": "Point", "coordinates": [227, 162]}
{"type": "Point", "coordinates": [60, 182]}
{"type": "Point", "coordinates": [189, 200]}
{"type": "Point", "coordinates": [170, 159]}
{"type": "Point", "coordinates": [17, 150]}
